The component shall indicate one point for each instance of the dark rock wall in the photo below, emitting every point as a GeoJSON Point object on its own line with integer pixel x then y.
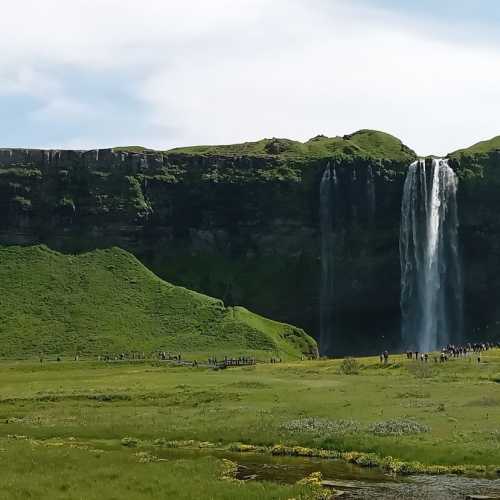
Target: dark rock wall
{"type": "Point", "coordinates": [479, 211]}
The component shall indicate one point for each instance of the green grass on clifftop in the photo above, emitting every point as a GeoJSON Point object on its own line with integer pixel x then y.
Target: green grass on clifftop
{"type": "Point", "coordinates": [107, 300]}
{"type": "Point", "coordinates": [132, 149]}
{"type": "Point", "coordinates": [364, 143]}
{"type": "Point", "coordinates": [483, 147]}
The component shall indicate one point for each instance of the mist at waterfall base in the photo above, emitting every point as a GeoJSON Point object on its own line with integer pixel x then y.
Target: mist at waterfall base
{"type": "Point", "coordinates": [431, 278]}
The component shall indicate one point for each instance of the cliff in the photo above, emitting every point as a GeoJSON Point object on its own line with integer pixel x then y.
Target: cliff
{"type": "Point", "coordinates": [478, 168]}
{"type": "Point", "coordinates": [241, 222]}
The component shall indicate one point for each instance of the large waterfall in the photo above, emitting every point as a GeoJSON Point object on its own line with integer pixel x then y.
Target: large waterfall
{"type": "Point", "coordinates": [327, 203]}
{"type": "Point", "coordinates": [431, 281]}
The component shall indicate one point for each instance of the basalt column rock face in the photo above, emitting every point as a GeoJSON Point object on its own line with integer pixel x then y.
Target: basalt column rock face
{"type": "Point", "coordinates": [478, 168]}
{"type": "Point", "coordinates": [241, 223]}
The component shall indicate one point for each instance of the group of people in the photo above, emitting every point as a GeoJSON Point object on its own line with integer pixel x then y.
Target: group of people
{"type": "Point", "coordinates": [454, 351]}
{"type": "Point", "coordinates": [241, 361]}
{"type": "Point", "coordinates": [139, 356]}
{"type": "Point", "coordinates": [168, 356]}
{"type": "Point", "coordinates": [422, 356]}
{"type": "Point", "coordinates": [122, 356]}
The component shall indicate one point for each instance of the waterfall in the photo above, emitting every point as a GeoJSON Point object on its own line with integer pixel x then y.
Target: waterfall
{"type": "Point", "coordinates": [327, 191]}
{"type": "Point", "coordinates": [431, 280]}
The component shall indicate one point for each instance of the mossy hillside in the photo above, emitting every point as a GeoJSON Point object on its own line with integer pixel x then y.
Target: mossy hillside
{"type": "Point", "coordinates": [107, 300]}
{"type": "Point", "coordinates": [364, 143]}
{"type": "Point", "coordinates": [482, 147]}
{"type": "Point", "coordinates": [477, 166]}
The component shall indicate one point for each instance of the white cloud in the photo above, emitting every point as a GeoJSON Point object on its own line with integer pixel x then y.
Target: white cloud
{"type": "Point", "coordinates": [234, 70]}
{"type": "Point", "coordinates": [61, 107]}
{"type": "Point", "coordinates": [27, 80]}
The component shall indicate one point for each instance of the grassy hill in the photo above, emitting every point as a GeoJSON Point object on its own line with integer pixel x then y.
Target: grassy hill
{"type": "Point", "coordinates": [106, 300]}
{"type": "Point", "coordinates": [482, 147]}
{"type": "Point", "coordinates": [364, 143]}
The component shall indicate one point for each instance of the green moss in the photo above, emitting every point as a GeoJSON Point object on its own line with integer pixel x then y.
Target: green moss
{"type": "Point", "coordinates": [21, 172]}
{"type": "Point", "coordinates": [22, 203]}
{"type": "Point", "coordinates": [131, 149]}
{"type": "Point", "coordinates": [67, 203]}
{"type": "Point", "coordinates": [107, 300]}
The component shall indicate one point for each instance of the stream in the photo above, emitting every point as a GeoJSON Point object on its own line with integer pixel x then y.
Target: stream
{"type": "Point", "coordinates": [355, 482]}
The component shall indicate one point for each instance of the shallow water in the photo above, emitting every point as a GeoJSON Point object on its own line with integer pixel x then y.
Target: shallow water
{"type": "Point", "coordinates": [356, 482]}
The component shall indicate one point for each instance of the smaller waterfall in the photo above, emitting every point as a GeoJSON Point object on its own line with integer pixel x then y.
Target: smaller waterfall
{"type": "Point", "coordinates": [431, 282]}
{"type": "Point", "coordinates": [327, 203]}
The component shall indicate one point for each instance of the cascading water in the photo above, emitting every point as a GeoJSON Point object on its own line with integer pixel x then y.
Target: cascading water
{"type": "Point", "coordinates": [431, 282]}
{"type": "Point", "coordinates": [327, 203]}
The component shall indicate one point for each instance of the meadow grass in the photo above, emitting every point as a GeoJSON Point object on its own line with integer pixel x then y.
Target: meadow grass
{"type": "Point", "coordinates": [36, 470]}
{"type": "Point", "coordinates": [456, 406]}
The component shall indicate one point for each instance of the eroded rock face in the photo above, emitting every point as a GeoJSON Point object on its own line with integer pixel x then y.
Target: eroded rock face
{"type": "Point", "coordinates": [246, 228]}
{"type": "Point", "coordinates": [479, 209]}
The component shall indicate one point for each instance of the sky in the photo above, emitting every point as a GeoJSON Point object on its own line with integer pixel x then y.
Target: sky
{"type": "Point", "coordinates": [165, 73]}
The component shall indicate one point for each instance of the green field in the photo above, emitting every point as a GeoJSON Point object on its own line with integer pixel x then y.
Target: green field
{"type": "Point", "coordinates": [106, 301]}
{"type": "Point", "coordinates": [92, 430]}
